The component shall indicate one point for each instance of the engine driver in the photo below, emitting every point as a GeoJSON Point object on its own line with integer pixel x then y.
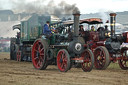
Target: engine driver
{"type": "Point", "coordinates": [48, 33]}
{"type": "Point", "coordinates": [46, 30]}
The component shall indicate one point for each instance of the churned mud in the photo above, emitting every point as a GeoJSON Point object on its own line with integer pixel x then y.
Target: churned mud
{"type": "Point", "coordinates": [23, 73]}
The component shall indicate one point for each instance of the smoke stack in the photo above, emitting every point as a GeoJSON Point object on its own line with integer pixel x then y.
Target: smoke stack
{"type": "Point", "coordinates": [76, 14]}
{"type": "Point", "coordinates": [112, 23]}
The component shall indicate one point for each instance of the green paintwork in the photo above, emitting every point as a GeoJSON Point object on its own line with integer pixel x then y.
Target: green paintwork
{"type": "Point", "coordinates": [31, 27]}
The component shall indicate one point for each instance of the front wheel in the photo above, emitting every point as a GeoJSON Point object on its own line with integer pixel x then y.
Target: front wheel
{"type": "Point", "coordinates": [101, 57]}
{"type": "Point", "coordinates": [88, 63]}
{"type": "Point", "coordinates": [123, 62]}
{"type": "Point", "coordinates": [63, 60]}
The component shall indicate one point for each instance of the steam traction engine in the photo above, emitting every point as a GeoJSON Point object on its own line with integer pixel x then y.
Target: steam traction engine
{"type": "Point", "coordinates": [68, 52]}
{"type": "Point", "coordinates": [55, 49]}
{"type": "Point", "coordinates": [108, 46]}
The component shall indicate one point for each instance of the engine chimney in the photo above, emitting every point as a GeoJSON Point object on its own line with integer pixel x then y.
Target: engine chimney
{"type": "Point", "coordinates": [76, 14]}
{"type": "Point", "coordinates": [112, 23]}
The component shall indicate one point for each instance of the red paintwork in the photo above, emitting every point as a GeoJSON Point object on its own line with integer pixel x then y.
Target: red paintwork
{"type": "Point", "coordinates": [99, 59]}
{"type": "Point", "coordinates": [62, 60]}
{"type": "Point", "coordinates": [94, 40]}
{"type": "Point", "coordinates": [19, 55]}
{"type": "Point", "coordinates": [94, 36]}
{"type": "Point", "coordinates": [38, 60]}
{"type": "Point", "coordinates": [100, 43]}
{"type": "Point", "coordinates": [126, 35]}
{"type": "Point", "coordinates": [86, 65]}
{"type": "Point", "coordinates": [79, 58]}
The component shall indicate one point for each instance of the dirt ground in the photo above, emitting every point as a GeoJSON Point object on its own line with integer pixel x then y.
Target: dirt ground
{"type": "Point", "coordinates": [23, 73]}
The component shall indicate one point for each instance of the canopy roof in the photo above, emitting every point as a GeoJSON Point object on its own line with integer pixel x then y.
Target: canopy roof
{"type": "Point", "coordinates": [91, 21]}
{"type": "Point", "coordinates": [88, 21]}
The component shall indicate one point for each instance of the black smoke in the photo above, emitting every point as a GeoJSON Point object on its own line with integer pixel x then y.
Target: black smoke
{"type": "Point", "coordinates": [41, 7]}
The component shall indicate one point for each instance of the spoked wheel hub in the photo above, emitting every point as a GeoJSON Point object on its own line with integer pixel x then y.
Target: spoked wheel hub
{"type": "Point", "coordinates": [61, 61]}
{"type": "Point", "coordinates": [38, 54]}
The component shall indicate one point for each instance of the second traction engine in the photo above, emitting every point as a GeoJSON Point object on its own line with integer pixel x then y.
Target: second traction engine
{"type": "Point", "coordinates": [114, 42]}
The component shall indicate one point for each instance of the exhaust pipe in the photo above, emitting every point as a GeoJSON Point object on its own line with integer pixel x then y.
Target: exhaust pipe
{"type": "Point", "coordinates": [112, 23]}
{"type": "Point", "coordinates": [76, 46]}
{"type": "Point", "coordinates": [76, 14]}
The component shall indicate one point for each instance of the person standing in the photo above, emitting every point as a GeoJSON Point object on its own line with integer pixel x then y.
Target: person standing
{"type": "Point", "coordinates": [81, 30]}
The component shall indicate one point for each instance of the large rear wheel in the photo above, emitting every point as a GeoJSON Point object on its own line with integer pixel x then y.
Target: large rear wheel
{"type": "Point", "coordinates": [39, 54]}
{"type": "Point", "coordinates": [63, 60]}
{"type": "Point", "coordinates": [88, 63]}
{"type": "Point", "coordinates": [101, 57]}
{"type": "Point", "coordinates": [123, 62]}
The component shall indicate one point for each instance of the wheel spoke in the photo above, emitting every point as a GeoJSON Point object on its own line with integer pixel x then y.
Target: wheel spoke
{"type": "Point", "coordinates": [65, 66]}
{"type": "Point", "coordinates": [39, 45]}
{"type": "Point", "coordinates": [42, 49]}
{"type": "Point", "coordinates": [62, 55]}
{"type": "Point", "coordinates": [38, 63]}
{"type": "Point", "coordinates": [65, 62]}
{"type": "Point", "coordinates": [86, 59]}
{"type": "Point", "coordinates": [36, 58]}
{"type": "Point", "coordinates": [86, 64]}
{"type": "Point", "coordinates": [65, 59]}
{"type": "Point", "coordinates": [100, 53]}
{"type": "Point", "coordinates": [125, 64]}
{"type": "Point", "coordinates": [36, 50]}
{"type": "Point", "coordinates": [42, 54]}
{"type": "Point", "coordinates": [89, 64]}
{"type": "Point", "coordinates": [62, 65]}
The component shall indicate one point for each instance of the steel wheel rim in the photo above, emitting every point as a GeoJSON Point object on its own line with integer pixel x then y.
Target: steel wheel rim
{"type": "Point", "coordinates": [38, 54]}
{"type": "Point", "coordinates": [99, 58]}
{"type": "Point", "coordinates": [62, 60]}
{"type": "Point", "coordinates": [86, 65]}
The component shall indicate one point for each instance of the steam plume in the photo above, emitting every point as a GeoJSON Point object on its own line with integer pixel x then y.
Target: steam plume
{"type": "Point", "coordinates": [104, 16]}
